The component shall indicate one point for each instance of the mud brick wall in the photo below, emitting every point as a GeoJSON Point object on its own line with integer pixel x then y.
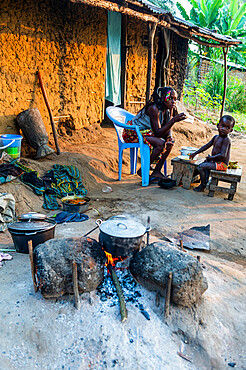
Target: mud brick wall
{"type": "Point", "coordinates": [137, 64]}
{"type": "Point", "coordinates": [177, 63]}
{"type": "Point", "coordinates": [67, 43]}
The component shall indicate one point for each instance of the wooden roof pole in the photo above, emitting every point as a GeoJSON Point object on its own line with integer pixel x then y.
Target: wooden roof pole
{"type": "Point", "coordinates": [151, 34]}
{"type": "Point", "coordinates": [225, 51]}
{"type": "Point", "coordinates": [124, 54]}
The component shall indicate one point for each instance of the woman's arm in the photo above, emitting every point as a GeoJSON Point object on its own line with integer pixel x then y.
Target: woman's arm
{"type": "Point", "coordinates": [153, 113]}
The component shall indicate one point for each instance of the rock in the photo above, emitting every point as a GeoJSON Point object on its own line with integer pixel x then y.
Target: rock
{"type": "Point", "coordinates": [151, 267]}
{"type": "Point", "coordinates": [53, 261]}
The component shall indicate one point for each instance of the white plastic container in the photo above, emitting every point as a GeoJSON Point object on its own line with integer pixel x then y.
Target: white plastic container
{"type": "Point", "coordinates": [187, 150]}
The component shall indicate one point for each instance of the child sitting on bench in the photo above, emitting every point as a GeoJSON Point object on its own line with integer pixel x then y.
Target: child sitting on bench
{"type": "Point", "coordinates": [220, 153]}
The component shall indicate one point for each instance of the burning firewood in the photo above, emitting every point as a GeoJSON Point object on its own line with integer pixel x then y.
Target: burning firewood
{"type": "Point", "coordinates": [116, 282]}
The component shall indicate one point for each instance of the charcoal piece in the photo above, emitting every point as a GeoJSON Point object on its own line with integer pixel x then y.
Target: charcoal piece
{"type": "Point", "coordinates": [53, 261]}
{"type": "Point", "coordinates": [34, 131]}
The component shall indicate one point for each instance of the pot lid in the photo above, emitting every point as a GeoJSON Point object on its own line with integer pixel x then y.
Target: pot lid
{"type": "Point", "coordinates": [122, 228]}
{"type": "Point", "coordinates": [32, 216]}
{"type": "Point", "coordinates": [31, 226]}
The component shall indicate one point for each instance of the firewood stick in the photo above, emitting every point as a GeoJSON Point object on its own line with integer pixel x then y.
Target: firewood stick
{"type": "Point", "coordinates": [117, 285]}
{"type": "Point", "coordinates": [75, 285]}
{"type": "Point", "coordinates": [30, 249]}
{"type": "Point", "coordinates": [168, 295]}
{"type": "Point", "coordinates": [157, 299]}
{"type": "Point", "coordinates": [181, 244]}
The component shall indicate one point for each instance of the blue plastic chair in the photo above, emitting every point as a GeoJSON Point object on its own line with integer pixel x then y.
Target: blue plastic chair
{"type": "Point", "coordinates": [120, 117]}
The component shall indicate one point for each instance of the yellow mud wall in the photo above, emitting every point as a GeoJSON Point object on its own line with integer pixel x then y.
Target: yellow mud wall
{"type": "Point", "coordinates": [137, 64]}
{"type": "Point", "coordinates": [66, 42]}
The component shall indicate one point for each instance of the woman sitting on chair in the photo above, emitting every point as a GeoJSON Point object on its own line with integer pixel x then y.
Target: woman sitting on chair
{"type": "Point", "coordinates": [155, 120]}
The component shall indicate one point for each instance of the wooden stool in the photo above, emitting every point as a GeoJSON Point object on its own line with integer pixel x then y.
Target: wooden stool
{"type": "Point", "coordinates": [233, 176]}
{"type": "Point", "coordinates": [184, 170]}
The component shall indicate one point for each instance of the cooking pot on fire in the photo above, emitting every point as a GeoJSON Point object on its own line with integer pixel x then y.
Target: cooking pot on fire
{"type": "Point", "coordinates": [121, 236]}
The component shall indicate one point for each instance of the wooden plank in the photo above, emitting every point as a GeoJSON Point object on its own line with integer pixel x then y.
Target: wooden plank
{"type": "Point", "coordinates": [226, 177]}
{"type": "Point", "coordinates": [221, 189]}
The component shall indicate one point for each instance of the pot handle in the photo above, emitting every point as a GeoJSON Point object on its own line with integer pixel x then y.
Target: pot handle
{"type": "Point", "coordinates": [98, 222]}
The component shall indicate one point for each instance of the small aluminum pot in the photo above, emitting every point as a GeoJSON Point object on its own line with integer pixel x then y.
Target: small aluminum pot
{"type": "Point", "coordinates": [75, 208]}
{"type": "Point", "coordinates": [120, 236]}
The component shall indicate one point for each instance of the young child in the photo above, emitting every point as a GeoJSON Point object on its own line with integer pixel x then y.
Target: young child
{"type": "Point", "coordinates": [220, 153]}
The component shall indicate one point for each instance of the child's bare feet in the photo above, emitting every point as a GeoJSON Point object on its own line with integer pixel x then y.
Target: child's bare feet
{"type": "Point", "coordinates": [200, 188]}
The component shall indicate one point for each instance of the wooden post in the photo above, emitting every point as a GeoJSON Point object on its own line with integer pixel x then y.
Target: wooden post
{"type": "Point", "coordinates": [151, 34]}
{"type": "Point", "coordinates": [75, 285]}
{"type": "Point", "coordinates": [124, 53]}
{"type": "Point", "coordinates": [50, 113]}
{"type": "Point", "coordinates": [225, 51]}
{"type": "Point", "coordinates": [30, 249]}
{"type": "Point", "coordinates": [168, 295]}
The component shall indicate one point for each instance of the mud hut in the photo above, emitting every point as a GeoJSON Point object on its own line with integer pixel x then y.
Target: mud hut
{"type": "Point", "coordinates": [89, 52]}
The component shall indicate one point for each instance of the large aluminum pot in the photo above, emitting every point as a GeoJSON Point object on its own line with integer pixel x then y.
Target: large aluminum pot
{"type": "Point", "coordinates": [36, 231]}
{"type": "Point", "coordinates": [121, 236]}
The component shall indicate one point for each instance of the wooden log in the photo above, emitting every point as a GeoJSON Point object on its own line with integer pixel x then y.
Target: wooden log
{"type": "Point", "coordinates": [168, 295]}
{"type": "Point", "coordinates": [30, 249]}
{"type": "Point", "coordinates": [117, 285]}
{"type": "Point", "coordinates": [75, 285]}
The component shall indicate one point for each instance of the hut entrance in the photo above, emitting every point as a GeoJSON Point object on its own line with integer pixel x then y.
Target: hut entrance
{"type": "Point", "coordinates": [113, 61]}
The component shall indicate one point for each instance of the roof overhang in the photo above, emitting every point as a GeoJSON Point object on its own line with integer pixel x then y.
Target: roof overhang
{"type": "Point", "coordinates": [147, 12]}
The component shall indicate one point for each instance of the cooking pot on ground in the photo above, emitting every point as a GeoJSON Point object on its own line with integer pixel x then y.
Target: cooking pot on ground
{"type": "Point", "coordinates": [36, 231]}
{"type": "Point", "coordinates": [121, 236]}
{"type": "Point", "coordinates": [75, 203]}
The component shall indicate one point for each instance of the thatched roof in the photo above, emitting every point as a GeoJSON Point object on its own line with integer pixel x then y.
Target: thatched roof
{"type": "Point", "coordinates": [146, 11]}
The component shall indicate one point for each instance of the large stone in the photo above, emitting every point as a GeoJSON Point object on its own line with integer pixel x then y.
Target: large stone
{"type": "Point", "coordinates": [53, 261]}
{"type": "Point", "coordinates": [152, 265]}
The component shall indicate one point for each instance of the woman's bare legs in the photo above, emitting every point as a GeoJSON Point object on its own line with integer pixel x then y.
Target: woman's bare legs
{"type": "Point", "coordinates": [158, 148]}
{"type": "Point", "coordinates": [160, 163]}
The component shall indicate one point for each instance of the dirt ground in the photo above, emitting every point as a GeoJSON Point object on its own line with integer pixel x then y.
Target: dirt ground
{"type": "Point", "coordinates": [53, 335]}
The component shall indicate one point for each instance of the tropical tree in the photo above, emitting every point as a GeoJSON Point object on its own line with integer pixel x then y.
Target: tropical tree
{"type": "Point", "coordinates": [226, 17]}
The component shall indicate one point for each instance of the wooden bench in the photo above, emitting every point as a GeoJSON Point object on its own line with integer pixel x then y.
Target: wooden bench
{"type": "Point", "coordinates": [184, 170]}
{"type": "Point", "coordinates": [232, 176]}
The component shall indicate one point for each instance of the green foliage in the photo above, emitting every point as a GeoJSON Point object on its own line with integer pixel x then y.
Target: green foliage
{"type": "Point", "coordinates": [226, 17]}
{"type": "Point", "coordinates": [168, 5]}
{"type": "Point", "coordinates": [206, 97]}
{"type": "Point", "coordinates": [235, 95]}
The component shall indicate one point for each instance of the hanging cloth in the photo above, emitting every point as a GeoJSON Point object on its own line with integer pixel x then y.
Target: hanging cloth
{"type": "Point", "coordinates": [113, 64]}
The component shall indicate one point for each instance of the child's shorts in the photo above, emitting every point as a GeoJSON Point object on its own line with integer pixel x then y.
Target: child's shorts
{"type": "Point", "coordinates": [220, 166]}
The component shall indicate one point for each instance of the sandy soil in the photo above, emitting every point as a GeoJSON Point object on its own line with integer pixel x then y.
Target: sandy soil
{"type": "Point", "coordinates": [53, 335]}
